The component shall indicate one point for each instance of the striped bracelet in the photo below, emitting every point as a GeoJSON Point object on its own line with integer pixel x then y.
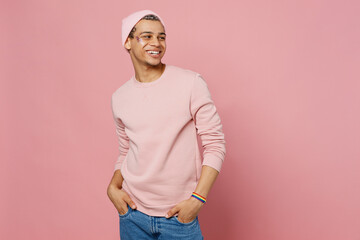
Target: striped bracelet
{"type": "Point", "coordinates": [199, 197]}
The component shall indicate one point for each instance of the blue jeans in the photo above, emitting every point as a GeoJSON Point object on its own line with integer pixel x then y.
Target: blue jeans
{"type": "Point", "coordinates": [136, 225]}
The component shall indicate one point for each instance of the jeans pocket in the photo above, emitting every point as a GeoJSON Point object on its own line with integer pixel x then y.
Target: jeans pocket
{"type": "Point", "coordinates": [127, 213]}
{"type": "Point", "coordinates": [189, 223]}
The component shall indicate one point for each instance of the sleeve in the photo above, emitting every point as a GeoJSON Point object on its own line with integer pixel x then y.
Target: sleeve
{"type": "Point", "coordinates": [208, 124]}
{"type": "Point", "coordinates": [123, 139]}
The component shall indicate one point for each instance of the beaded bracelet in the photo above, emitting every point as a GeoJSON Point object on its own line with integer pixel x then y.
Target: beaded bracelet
{"type": "Point", "coordinates": [199, 197]}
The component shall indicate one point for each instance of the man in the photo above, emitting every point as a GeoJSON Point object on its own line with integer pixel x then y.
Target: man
{"type": "Point", "coordinates": [160, 182]}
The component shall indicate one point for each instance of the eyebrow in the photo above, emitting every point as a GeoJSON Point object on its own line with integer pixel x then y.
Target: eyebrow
{"type": "Point", "coordinates": [161, 33]}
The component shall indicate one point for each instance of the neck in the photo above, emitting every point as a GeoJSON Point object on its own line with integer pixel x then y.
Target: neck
{"type": "Point", "coordinates": [148, 73]}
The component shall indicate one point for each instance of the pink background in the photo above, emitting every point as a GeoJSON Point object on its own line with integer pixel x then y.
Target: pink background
{"type": "Point", "coordinates": [284, 76]}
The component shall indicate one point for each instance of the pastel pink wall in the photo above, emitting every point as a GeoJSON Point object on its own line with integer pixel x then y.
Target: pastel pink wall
{"type": "Point", "coordinates": [283, 74]}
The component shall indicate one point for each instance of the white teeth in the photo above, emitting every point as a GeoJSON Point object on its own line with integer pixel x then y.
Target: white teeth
{"type": "Point", "coordinates": [153, 52]}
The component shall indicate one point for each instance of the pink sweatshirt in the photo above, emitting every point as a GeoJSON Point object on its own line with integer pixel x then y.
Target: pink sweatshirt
{"type": "Point", "coordinates": [156, 124]}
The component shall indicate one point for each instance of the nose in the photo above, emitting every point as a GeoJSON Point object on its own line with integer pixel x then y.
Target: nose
{"type": "Point", "coordinates": [155, 41]}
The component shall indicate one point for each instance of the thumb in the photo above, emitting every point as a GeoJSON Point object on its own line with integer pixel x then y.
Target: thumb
{"type": "Point", "coordinates": [130, 202]}
{"type": "Point", "coordinates": [172, 212]}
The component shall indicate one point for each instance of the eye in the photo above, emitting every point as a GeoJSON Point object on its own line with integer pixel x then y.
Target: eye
{"type": "Point", "coordinates": [146, 36]}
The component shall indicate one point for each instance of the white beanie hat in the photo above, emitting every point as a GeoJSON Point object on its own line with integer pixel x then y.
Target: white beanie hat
{"type": "Point", "coordinates": [130, 21]}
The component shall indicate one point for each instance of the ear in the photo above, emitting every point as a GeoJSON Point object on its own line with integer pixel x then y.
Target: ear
{"type": "Point", "coordinates": [127, 44]}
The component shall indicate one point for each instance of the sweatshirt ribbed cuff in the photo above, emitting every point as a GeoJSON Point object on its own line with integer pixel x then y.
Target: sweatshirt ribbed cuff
{"type": "Point", "coordinates": [213, 161]}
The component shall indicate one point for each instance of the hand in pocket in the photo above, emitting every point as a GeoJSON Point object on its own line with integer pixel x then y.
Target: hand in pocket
{"type": "Point", "coordinates": [121, 200]}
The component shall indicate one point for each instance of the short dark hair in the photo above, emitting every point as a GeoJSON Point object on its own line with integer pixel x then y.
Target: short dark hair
{"type": "Point", "coordinates": [146, 17]}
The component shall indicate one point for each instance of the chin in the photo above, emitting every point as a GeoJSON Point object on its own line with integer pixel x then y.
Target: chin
{"type": "Point", "coordinates": [154, 64]}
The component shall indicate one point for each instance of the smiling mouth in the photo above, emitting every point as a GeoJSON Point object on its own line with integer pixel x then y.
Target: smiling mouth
{"type": "Point", "coordinates": [154, 53]}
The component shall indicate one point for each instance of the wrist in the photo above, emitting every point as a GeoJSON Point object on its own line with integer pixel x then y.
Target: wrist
{"type": "Point", "coordinates": [114, 186]}
{"type": "Point", "coordinates": [196, 202]}
{"type": "Point", "coordinates": [198, 197]}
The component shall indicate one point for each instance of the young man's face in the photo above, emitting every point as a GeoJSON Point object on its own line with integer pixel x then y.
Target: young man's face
{"type": "Point", "coordinates": [148, 45]}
